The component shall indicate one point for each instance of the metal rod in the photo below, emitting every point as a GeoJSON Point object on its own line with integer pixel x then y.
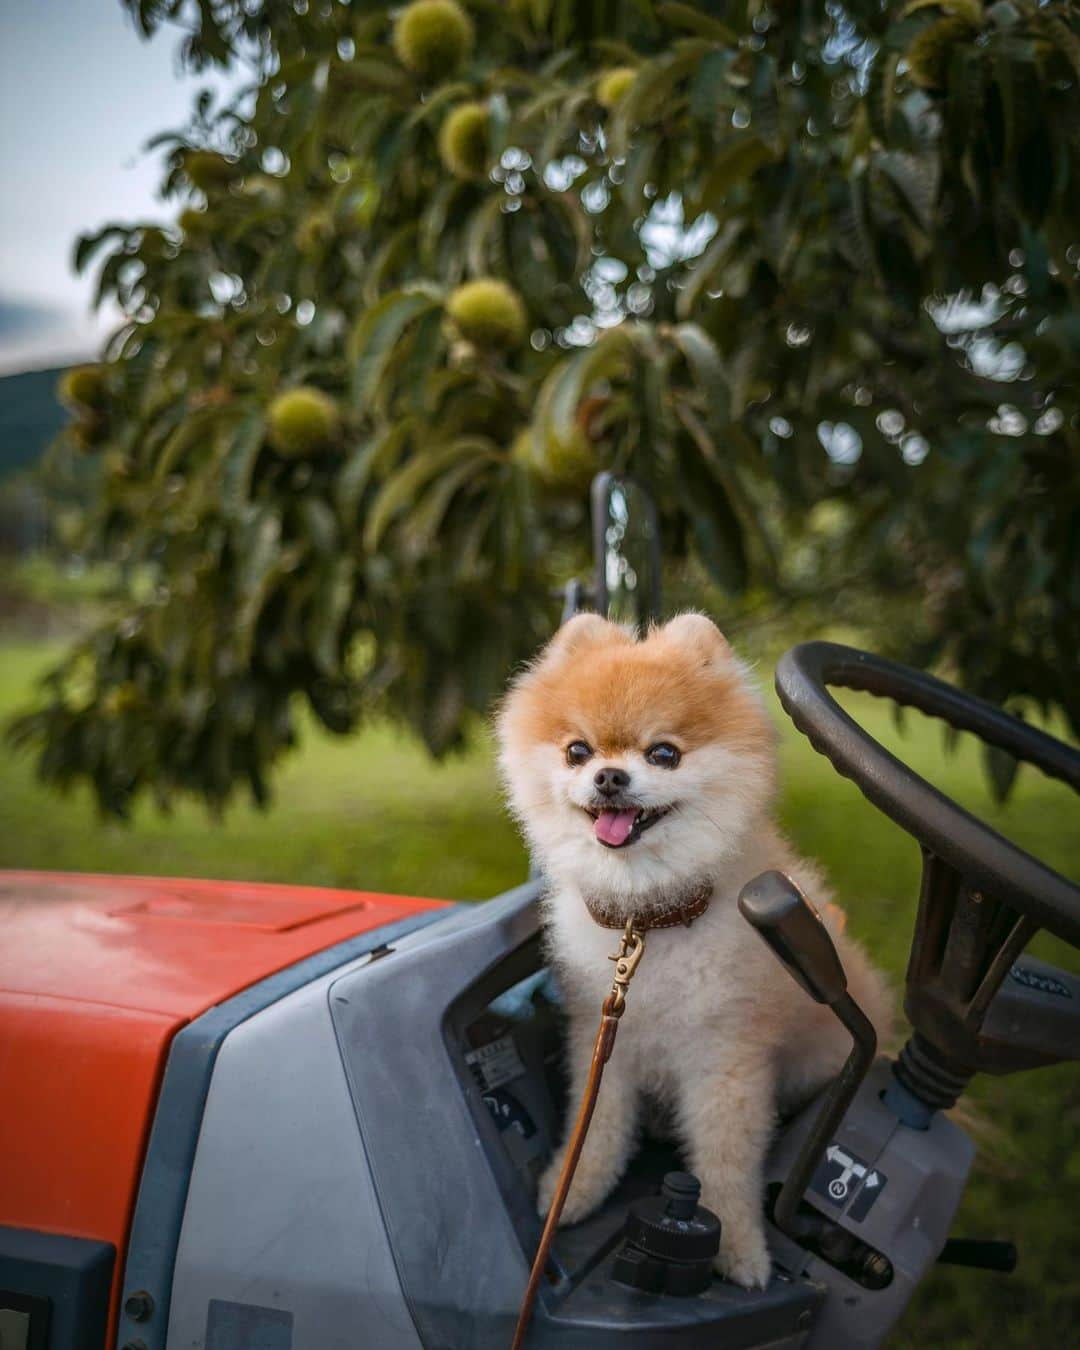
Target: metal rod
{"type": "Point", "coordinates": [831, 1113]}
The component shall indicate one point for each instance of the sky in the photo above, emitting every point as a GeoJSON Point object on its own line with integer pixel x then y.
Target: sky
{"type": "Point", "coordinates": [80, 94]}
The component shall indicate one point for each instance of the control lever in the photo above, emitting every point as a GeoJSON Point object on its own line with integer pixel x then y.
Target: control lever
{"type": "Point", "coordinates": [794, 930]}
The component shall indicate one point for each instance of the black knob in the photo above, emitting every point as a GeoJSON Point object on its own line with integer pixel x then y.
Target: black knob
{"type": "Point", "coordinates": [682, 1191]}
{"type": "Point", "coordinates": [671, 1240]}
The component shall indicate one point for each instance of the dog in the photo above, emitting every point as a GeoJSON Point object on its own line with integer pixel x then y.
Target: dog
{"type": "Point", "coordinates": [642, 773]}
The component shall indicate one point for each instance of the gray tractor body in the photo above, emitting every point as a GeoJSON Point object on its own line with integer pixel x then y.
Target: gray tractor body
{"type": "Point", "coordinates": [358, 1170]}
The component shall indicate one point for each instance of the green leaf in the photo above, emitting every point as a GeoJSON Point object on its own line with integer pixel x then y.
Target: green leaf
{"type": "Point", "coordinates": [881, 94]}
{"type": "Point", "coordinates": [394, 256]}
{"type": "Point", "coordinates": [765, 102]}
{"type": "Point", "coordinates": [1063, 37]}
{"type": "Point", "coordinates": [714, 526]}
{"type": "Point", "coordinates": [320, 525]}
{"type": "Point", "coordinates": [710, 94]}
{"type": "Point", "coordinates": [195, 427]}
{"type": "Point", "coordinates": [400, 490]}
{"type": "Point", "coordinates": [963, 110]}
{"type": "Point", "coordinates": [708, 373]}
{"type": "Point", "coordinates": [734, 161]}
{"type": "Point", "coordinates": [563, 391]}
{"type": "Point", "coordinates": [375, 337]}
{"type": "Point", "coordinates": [720, 453]}
{"type": "Point", "coordinates": [353, 478]}
{"type": "Point", "coordinates": [240, 459]}
{"type": "Point", "coordinates": [916, 176]}
{"type": "Point", "coordinates": [692, 20]}
{"type": "Point", "coordinates": [333, 598]}
{"type": "Point", "coordinates": [853, 228]}
{"type": "Point", "coordinates": [703, 268]}
{"type": "Point", "coordinates": [1001, 769]}
{"type": "Point", "coordinates": [485, 244]}
{"type": "Point", "coordinates": [89, 244]}
{"type": "Point", "coordinates": [652, 93]}
{"type": "Point", "coordinates": [426, 520]}
{"type": "Point", "coordinates": [260, 557]}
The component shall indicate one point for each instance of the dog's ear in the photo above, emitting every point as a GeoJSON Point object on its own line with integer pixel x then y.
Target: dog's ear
{"type": "Point", "coordinates": [699, 635]}
{"type": "Point", "coordinates": [580, 633]}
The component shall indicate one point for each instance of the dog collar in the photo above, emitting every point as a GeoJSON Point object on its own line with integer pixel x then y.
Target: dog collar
{"type": "Point", "coordinates": [653, 915]}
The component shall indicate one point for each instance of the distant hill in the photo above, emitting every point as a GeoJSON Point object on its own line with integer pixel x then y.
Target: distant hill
{"type": "Point", "coordinates": [30, 416]}
{"type": "Point", "coordinates": [22, 318]}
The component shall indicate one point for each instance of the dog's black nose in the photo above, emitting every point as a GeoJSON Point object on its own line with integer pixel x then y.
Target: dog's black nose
{"type": "Point", "coordinates": [609, 781]}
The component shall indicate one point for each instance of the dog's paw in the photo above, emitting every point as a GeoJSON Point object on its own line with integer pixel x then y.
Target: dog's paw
{"type": "Point", "coordinates": [746, 1262]}
{"type": "Point", "coordinates": [586, 1193]}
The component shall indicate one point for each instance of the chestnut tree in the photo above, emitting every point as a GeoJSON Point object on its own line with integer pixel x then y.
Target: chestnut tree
{"type": "Point", "coordinates": [807, 271]}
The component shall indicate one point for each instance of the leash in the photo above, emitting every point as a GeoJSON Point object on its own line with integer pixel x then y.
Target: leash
{"type": "Point", "coordinates": [627, 959]}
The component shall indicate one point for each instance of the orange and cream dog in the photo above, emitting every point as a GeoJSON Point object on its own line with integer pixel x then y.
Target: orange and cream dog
{"type": "Point", "coordinates": [642, 773]}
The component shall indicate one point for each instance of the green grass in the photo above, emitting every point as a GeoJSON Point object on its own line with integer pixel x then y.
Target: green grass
{"type": "Point", "coordinates": [374, 812]}
{"type": "Point", "coordinates": [371, 811]}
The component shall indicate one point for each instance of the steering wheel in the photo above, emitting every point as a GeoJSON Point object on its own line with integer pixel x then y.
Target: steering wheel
{"type": "Point", "coordinates": [969, 846]}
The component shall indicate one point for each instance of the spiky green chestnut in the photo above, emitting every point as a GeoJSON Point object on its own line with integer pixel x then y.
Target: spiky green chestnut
{"type": "Point", "coordinates": [433, 37]}
{"type": "Point", "coordinates": [302, 422]}
{"type": "Point", "coordinates": [83, 387]}
{"type": "Point", "coordinates": [567, 464]}
{"type": "Point", "coordinates": [488, 313]}
{"type": "Point", "coordinates": [613, 86]}
{"type": "Point", "coordinates": [463, 141]}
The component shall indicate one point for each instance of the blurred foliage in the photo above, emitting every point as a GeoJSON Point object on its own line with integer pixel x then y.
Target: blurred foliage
{"type": "Point", "coordinates": [809, 272]}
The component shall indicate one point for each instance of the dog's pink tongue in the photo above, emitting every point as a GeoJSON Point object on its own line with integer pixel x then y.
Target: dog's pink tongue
{"type": "Point", "coordinates": [613, 827]}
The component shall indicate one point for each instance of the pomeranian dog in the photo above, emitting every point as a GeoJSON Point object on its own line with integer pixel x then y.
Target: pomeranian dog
{"type": "Point", "coordinates": [642, 773]}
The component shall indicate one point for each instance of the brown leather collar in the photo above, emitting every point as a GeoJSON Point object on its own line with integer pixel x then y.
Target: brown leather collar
{"type": "Point", "coordinates": [693, 906]}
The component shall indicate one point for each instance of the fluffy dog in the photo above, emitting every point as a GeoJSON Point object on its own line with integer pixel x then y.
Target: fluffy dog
{"type": "Point", "coordinates": [642, 774]}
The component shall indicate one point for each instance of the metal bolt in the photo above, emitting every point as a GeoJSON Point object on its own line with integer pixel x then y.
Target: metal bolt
{"type": "Point", "coordinates": [139, 1306]}
{"type": "Point", "coordinates": [876, 1271]}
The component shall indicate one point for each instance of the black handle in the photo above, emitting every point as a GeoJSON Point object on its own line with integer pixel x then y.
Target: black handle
{"type": "Point", "coordinates": [794, 930]}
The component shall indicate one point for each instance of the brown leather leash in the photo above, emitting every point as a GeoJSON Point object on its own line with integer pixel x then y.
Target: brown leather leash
{"type": "Point", "coordinates": [627, 959]}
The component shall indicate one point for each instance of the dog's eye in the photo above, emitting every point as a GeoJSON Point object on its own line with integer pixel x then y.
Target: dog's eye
{"type": "Point", "coordinates": [663, 755]}
{"type": "Point", "coordinates": [577, 753]}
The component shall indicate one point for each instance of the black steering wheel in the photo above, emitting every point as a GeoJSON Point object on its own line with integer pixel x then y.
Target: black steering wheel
{"type": "Point", "coordinates": [977, 852]}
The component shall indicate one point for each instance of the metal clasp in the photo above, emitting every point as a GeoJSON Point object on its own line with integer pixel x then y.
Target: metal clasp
{"type": "Point", "coordinates": [627, 959]}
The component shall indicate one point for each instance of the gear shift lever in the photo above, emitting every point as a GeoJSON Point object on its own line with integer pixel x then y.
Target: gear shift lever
{"type": "Point", "coordinates": [794, 930]}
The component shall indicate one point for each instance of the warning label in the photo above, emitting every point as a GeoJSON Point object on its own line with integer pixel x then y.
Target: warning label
{"type": "Point", "coordinates": [508, 1113]}
{"type": "Point", "coordinates": [843, 1175]}
{"type": "Point", "coordinates": [496, 1063]}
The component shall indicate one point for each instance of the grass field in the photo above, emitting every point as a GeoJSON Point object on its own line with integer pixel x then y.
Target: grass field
{"type": "Point", "coordinates": [374, 812]}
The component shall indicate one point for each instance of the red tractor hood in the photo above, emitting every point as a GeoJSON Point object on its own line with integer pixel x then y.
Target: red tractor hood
{"type": "Point", "coordinates": [97, 974]}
